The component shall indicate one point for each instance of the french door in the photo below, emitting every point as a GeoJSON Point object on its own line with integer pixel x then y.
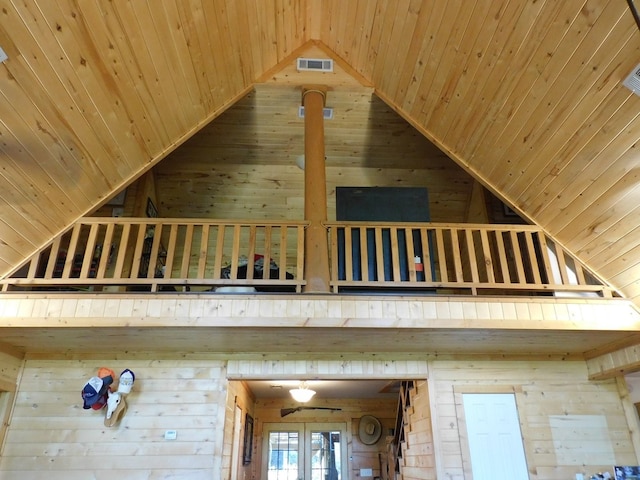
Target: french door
{"type": "Point", "coordinates": [304, 451]}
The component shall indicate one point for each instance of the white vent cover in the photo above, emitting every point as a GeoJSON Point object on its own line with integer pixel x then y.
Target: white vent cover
{"type": "Point", "coordinates": [315, 64]}
{"type": "Point", "coordinates": [327, 113]}
{"type": "Point", "coordinates": [632, 82]}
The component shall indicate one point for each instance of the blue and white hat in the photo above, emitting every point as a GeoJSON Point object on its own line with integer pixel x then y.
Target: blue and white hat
{"type": "Point", "coordinates": [94, 393]}
{"type": "Point", "coordinates": [127, 377]}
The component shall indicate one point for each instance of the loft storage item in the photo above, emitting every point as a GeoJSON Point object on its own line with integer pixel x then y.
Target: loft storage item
{"type": "Point", "coordinates": [257, 271]}
{"type": "Point", "coordinates": [381, 204]}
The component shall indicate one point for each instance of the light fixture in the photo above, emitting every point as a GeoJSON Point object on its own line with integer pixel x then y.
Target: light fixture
{"type": "Point", "coordinates": [303, 393]}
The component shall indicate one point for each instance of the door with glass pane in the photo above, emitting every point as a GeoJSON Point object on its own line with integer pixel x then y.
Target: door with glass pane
{"type": "Point", "coordinates": [298, 451]}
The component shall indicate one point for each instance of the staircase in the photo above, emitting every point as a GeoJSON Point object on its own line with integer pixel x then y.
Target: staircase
{"type": "Point", "coordinates": [410, 453]}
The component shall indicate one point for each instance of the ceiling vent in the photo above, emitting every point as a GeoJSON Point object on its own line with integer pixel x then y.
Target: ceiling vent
{"type": "Point", "coordinates": [632, 82]}
{"type": "Point", "coordinates": [327, 113]}
{"type": "Point", "coordinates": [315, 64]}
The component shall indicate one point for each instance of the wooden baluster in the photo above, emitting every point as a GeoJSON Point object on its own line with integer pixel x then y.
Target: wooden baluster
{"type": "Point", "coordinates": [71, 252]}
{"type": "Point", "coordinates": [266, 264]}
{"type": "Point", "coordinates": [502, 256]}
{"type": "Point", "coordinates": [487, 257]}
{"type": "Point", "coordinates": [186, 253]}
{"type": "Point", "coordinates": [364, 254]}
{"type": "Point", "coordinates": [426, 255]}
{"type": "Point", "coordinates": [534, 267]}
{"type": "Point", "coordinates": [122, 251]}
{"type": "Point", "coordinates": [106, 251]}
{"type": "Point", "coordinates": [348, 255]}
{"type": "Point", "coordinates": [217, 261]}
{"type": "Point", "coordinates": [252, 252]}
{"type": "Point", "coordinates": [171, 251]}
{"type": "Point", "coordinates": [53, 258]}
{"type": "Point", "coordinates": [442, 257]}
{"type": "Point", "coordinates": [517, 258]}
{"type": "Point", "coordinates": [282, 271]}
{"type": "Point", "coordinates": [457, 257]}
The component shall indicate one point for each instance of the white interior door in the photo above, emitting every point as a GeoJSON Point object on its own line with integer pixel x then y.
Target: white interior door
{"type": "Point", "coordinates": [299, 451]}
{"type": "Point", "coordinates": [495, 439]}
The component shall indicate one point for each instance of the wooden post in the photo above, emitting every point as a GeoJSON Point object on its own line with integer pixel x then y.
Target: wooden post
{"type": "Point", "coordinates": [315, 192]}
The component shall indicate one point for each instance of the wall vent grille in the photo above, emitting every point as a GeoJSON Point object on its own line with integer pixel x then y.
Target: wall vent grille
{"type": "Point", "coordinates": [315, 64]}
{"type": "Point", "coordinates": [327, 113]}
{"type": "Point", "coordinates": [632, 82]}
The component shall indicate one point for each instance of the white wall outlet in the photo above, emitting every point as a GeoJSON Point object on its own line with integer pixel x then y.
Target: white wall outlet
{"type": "Point", "coordinates": [366, 472]}
{"type": "Point", "coordinates": [170, 434]}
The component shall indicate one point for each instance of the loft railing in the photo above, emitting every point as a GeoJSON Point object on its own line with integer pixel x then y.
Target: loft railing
{"type": "Point", "coordinates": [143, 254]}
{"type": "Point", "coordinates": [168, 255]}
{"type": "Point", "coordinates": [454, 257]}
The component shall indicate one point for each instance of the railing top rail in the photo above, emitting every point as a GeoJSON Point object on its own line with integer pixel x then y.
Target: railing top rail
{"type": "Point", "coordinates": [188, 221]}
{"type": "Point", "coordinates": [436, 225]}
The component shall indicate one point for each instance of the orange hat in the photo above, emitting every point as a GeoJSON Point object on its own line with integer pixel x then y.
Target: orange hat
{"type": "Point", "coordinates": [106, 372]}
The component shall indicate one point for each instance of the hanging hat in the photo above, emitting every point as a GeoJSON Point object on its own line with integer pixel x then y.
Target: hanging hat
{"type": "Point", "coordinates": [94, 393]}
{"type": "Point", "coordinates": [127, 378]}
{"type": "Point", "coordinates": [106, 372]}
{"type": "Point", "coordinates": [369, 429]}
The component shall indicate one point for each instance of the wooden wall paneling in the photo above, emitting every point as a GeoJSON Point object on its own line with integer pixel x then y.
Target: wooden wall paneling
{"type": "Point", "coordinates": [368, 64]}
{"type": "Point", "coordinates": [313, 19]}
{"type": "Point", "coordinates": [181, 51]}
{"type": "Point", "coordinates": [543, 395]}
{"type": "Point", "coordinates": [493, 75]}
{"type": "Point", "coordinates": [361, 14]}
{"type": "Point", "coordinates": [238, 394]}
{"type": "Point", "coordinates": [175, 66]}
{"type": "Point", "coordinates": [449, 68]}
{"type": "Point", "coordinates": [255, 30]}
{"type": "Point", "coordinates": [482, 43]}
{"type": "Point", "coordinates": [268, 52]}
{"type": "Point", "coordinates": [384, 50]}
{"type": "Point", "coordinates": [406, 18]}
{"type": "Point", "coordinates": [599, 216]}
{"type": "Point", "coordinates": [331, 10]}
{"type": "Point", "coordinates": [114, 46]}
{"type": "Point", "coordinates": [49, 422]}
{"type": "Point", "coordinates": [146, 71]}
{"type": "Point", "coordinates": [22, 161]}
{"type": "Point", "coordinates": [78, 57]}
{"type": "Point", "coordinates": [170, 93]}
{"type": "Point", "coordinates": [10, 372]}
{"type": "Point", "coordinates": [283, 17]}
{"type": "Point", "coordinates": [608, 252]}
{"type": "Point", "coordinates": [607, 162]}
{"type": "Point", "coordinates": [581, 154]}
{"type": "Point", "coordinates": [344, 19]}
{"type": "Point", "coordinates": [192, 19]}
{"type": "Point", "coordinates": [54, 101]}
{"type": "Point", "coordinates": [442, 44]}
{"type": "Point", "coordinates": [415, 67]}
{"type": "Point", "coordinates": [240, 37]}
{"type": "Point", "coordinates": [557, 87]}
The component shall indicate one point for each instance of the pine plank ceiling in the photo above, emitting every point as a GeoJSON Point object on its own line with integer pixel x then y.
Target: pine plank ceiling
{"type": "Point", "coordinates": [526, 95]}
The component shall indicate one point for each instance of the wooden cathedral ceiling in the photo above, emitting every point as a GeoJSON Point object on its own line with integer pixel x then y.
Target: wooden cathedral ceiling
{"type": "Point", "coordinates": [525, 95]}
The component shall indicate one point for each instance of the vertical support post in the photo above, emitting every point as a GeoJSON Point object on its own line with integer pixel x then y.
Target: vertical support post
{"type": "Point", "coordinates": [315, 192]}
